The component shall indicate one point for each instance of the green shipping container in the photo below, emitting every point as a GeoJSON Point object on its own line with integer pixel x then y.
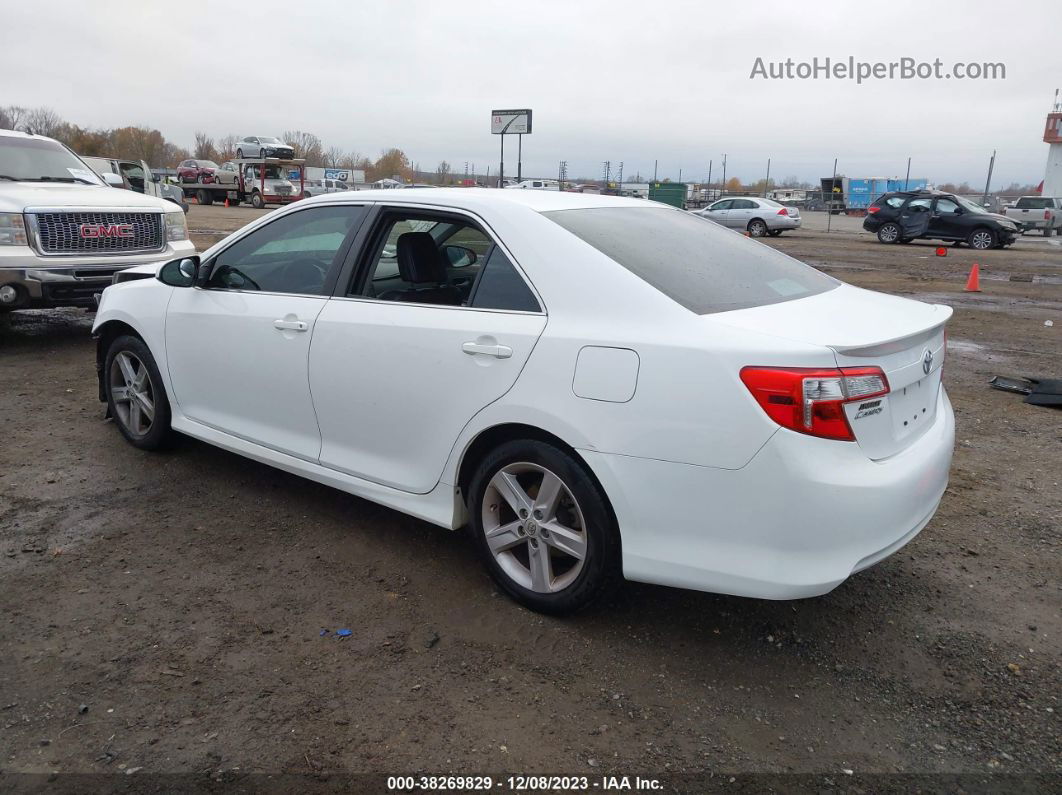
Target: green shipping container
{"type": "Point", "coordinates": [673, 193]}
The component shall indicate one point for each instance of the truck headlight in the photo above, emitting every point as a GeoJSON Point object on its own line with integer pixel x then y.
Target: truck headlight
{"type": "Point", "coordinates": [176, 226]}
{"type": "Point", "coordinates": [12, 230]}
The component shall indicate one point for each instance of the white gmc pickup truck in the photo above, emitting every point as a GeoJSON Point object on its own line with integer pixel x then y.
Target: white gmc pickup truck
{"type": "Point", "coordinates": [64, 232]}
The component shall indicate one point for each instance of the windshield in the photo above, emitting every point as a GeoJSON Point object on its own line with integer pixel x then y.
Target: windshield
{"type": "Point", "coordinates": [39, 160]}
{"type": "Point", "coordinates": [969, 205]}
{"type": "Point", "coordinates": [267, 140]}
{"type": "Point", "coordinates": [207, 164]}
{"type": "Point", "coordinates": [695, 262]}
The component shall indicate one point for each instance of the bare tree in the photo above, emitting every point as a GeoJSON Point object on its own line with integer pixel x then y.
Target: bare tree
{"type": "Point", "coordinates": [204, 147]}
{"type": "Point", "coordinates": [11, 117]}
{"type": "Point", "coordinates": [333, 157]}
{"type": "Point", "coordinates": [226, 149]}
{"type": "Point", "coordinates": [443, 173]}
{"type": "Point", "coordinates": [42, 121]}
{"type": "Point", "coordinates": [306, 145]}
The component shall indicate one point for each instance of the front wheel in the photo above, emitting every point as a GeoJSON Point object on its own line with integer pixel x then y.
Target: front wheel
{"type": "Point", "coordinates": [239, 154]}
{"type": "Point", "coordinates": [889, 233]}
{"type": "Point", "coordinates": [257, 201]}
{"type": "Point", "coordinates": [135, 395]}
{"type": "Point", "coordinates": [543, 527]}
{"type": "Point", "coordinates": [981, 239]}
{"type": "Point", "coordinates": [757, 228]}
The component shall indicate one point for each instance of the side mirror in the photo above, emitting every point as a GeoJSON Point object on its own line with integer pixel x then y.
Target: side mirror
{"type": "Point", "coordinates": [459, 256]}
{"type": "Point", "coordinates": [112, 179]}
{"type": "Point", "coordinates": [180, 272]}
{"type": "Point", "coordinates": [156, 178]}
{"type": "Point", "coordinates": [959, 210]}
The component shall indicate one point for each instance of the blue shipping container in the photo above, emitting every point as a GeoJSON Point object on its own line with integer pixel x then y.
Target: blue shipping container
{"type": "Point", "coordinates": [865, 191]}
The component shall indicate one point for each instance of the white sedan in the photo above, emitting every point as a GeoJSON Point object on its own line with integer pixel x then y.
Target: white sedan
{"type": "Point", "coordinates": [601, 388]}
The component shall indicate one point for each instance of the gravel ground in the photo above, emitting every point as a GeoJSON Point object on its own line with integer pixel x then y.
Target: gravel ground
{"type": "Point", "coordinates": [163, 613]}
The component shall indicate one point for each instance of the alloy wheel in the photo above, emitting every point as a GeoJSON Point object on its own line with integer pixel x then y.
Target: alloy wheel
{"type": "Point", "coordinates": [981, 239]}
{"type": "Point", "coordinates": [133, 393]}
{"type": "Point", "coordinates": [888, 233]}
{"type": "Point", "coordinates": [534, 527]}
{"type": "Point", "coordinates": [757, 229]}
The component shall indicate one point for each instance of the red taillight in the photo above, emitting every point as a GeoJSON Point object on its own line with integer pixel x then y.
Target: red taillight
{"type": "Point", "coordinates": [784, 211]}
{"type": "Point", "coordinates": [811, 400]}
{"type": "Point", "coordinates": [872, 209]}
{"type": "Point", "coordinates": [1047, 215]}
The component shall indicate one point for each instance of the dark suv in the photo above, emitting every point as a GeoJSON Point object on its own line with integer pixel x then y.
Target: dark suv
{"type": "Point", "coordinates": [904, 216]}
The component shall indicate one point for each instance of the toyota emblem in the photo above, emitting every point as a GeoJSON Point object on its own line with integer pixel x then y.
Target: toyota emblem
{"type": "Point", "coordinates": [927, 361]}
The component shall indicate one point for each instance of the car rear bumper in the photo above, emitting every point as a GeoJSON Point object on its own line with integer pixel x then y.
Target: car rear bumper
{"type": "Point", "coordinates": [783, 222]}
{"type": "Point", "coordinates": [795, 522]}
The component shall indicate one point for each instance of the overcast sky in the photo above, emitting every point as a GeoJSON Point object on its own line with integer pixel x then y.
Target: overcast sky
{"type": "Point", "coordinates": [619, 81]}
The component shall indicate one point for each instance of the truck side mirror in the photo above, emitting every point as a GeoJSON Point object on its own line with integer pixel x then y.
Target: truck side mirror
{"type": "Point", "coordinates": [112, 179]}
{"type": "Point", "coordinates": [156, 178]}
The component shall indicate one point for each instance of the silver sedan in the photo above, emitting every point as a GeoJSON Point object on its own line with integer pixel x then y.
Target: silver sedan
{"type": "Point", "coordinates": [757, 216]}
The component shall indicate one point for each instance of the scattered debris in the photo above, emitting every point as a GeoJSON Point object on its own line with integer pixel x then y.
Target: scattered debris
{"type": "Point", "coordinates": [1037, 391]}
{"type": "Point", "coordinates": [431, 639]}
{"type": "Point", "coordinates": [82, 709]}
{"type": "Point", "coordinates": [343, 633]}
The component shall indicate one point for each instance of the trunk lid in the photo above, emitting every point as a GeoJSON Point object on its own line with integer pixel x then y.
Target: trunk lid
{"type": "Point", "coordinates": [862, 328]}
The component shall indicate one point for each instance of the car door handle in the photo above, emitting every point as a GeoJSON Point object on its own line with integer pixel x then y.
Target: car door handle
{"type": "Point", "coordinates": [497, 351]}
{"type": "Point", "coordinates": [290, 325]}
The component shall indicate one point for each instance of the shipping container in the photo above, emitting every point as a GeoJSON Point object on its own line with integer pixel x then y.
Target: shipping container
{"type": "Point", "coordinates": [673, 193]}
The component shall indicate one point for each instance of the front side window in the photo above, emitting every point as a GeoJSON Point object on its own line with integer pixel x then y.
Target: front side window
{"type": "Point", "coordinates": [293, 254]}
{"type": "Point", "coordinates": [947, 207]}
{"type": "Point", "coordinates": [723, 205]}
{"type": "Point", "coordinates": [703, 267]}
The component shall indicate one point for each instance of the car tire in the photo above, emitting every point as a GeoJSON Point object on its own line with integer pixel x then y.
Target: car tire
{"type": "Point", "coordinates": [1048, 232]}
{"type": "Point", "coordinates": [204, 197]}
{"type": "Point", "coordinates": [306, 194]}
{"type": "Point", "coordinates": [757, 227]}
{"type": "Point", "coordinates": [889, 233]}
{"type": "Point", "coordinates": [775, 232]}
{"type": "Point", "coordinates": [142, 417]}
{"type": "Point", "coordinates": [257, 201]}
{"type": "Point", "coordinates": [982, 239]}
{"type": "Point", "coordinates": [514, 474]}
{"type": "Point", "coordinates": [239, 154]}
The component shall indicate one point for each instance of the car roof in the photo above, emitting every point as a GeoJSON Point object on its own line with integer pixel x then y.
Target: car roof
{"type": "Point", "coordinates": [20, 134]}
{"type": "Point", "coordinates": [472, 198]}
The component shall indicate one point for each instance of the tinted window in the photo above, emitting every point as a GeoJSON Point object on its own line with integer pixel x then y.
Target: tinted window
{"type": "Point", "coordinates": [742, 204]}
{"type": "Point", "coordinates": [723, 205]}
{"type": "Point", "coordinates": [1032, 203]}
{"type": "Point", "coordinates": [293, 254]}
{"type": "Point", "coordinates": [703, 267]}
{"type": "Point", "coordinates": [947, 207]}
{"type": "Point", "coordinates": [502, 287]}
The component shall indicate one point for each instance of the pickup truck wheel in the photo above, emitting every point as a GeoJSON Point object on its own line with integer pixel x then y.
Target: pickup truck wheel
{"type": "Point", "coordinates": [981, 239]}
{"type": "Point", "coordinates": [889, 233]}
{"type": "Point", "coordinates": [1048, 232]}
{"type": "Point", "coordinates": [257, 201]}
{"type": "Point", "coordinates": [135, 395]}
{"type": "Point", "coordinates": [204, 197]}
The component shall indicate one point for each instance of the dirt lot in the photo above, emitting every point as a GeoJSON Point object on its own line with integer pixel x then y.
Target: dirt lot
{"type": "Point", "coordinates": [162, 613]}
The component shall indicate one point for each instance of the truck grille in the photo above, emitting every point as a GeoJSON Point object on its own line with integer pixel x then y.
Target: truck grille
{"type": "Point", "coordinates": [102, 232]}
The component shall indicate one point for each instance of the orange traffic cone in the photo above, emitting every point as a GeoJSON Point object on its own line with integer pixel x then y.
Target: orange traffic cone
{"type": "Point", "coordinates": [942, 252]}
{"type": "Point", "coordinates": [973, 283]}
{"type": "Point", "coordinates": [226, 202]}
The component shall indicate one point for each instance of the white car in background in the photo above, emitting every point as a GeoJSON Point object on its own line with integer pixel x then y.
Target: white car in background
{"type": "Point", "coordinates": [317, 187]}
{"type": "Point", "coordinates": [756, 216]}
{"type": "Point", "coordinates": [600, 387]}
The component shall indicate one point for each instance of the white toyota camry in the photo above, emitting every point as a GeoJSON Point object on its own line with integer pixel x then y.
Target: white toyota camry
{"type": "Point", "coordinates": [600, 388]}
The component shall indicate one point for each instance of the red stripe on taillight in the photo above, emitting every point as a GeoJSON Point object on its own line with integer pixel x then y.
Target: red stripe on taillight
{"type": "Point", "coordinates": [784, 211]}
{"type": "Point", "coordinates": [811, 400]}
{"type": "Point", "coordinates": [871, 210]}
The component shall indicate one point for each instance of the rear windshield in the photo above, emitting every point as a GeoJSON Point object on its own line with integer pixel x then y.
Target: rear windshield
{"type": "Point", "coordinates": [1033, 203]}
{"type": "Point", "coordinates": [693, 261]}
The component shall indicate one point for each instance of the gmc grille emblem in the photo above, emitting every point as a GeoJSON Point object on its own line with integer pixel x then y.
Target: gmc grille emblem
{"type": "Point", "coordinates": [107, 230]}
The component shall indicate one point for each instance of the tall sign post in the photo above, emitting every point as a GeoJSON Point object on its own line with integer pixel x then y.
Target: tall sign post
{"type": "Point", "coordinates": [510, 122]}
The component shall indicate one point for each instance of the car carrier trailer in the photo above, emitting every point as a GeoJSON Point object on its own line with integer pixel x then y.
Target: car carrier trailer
{"type": "Point", "coordinates": [252, 183]}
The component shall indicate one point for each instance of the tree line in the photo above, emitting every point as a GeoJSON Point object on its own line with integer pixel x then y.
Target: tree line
{"type": "Point", "coordinates": [145, 143]}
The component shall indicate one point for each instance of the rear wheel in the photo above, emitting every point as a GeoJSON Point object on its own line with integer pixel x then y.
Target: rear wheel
{"type": "Point", "coordinates": [204, 196]}
{"type": "Point", "coordinates": [257, 201]}
{"type": "Point", "coordinates": [1048, 232]}
{"type": "Point", "coordinates": [135, 394]}
{"type": "Point", "coordinates": [981, 239]}
{"type": "Point", "coordinates": [774, 232]}
{"type": "Point", "coordinates": [543, 527]}
{"type": "Point", "coordinates": [239, 154]}
{"type": "Point", "coordinates": [757, 228]}
{"type": "Point", "coordinates": [889, 233]}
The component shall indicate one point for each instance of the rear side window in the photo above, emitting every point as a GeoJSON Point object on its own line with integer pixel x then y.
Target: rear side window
{"type": "Point", "coordinates": [703, 267]}
{"type": "Point", "coordinates": [501, 287]}
{"type": "Point", "coordinates": [1032, 203]}
{"type": "Point", "coordinates": [895, 202]}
